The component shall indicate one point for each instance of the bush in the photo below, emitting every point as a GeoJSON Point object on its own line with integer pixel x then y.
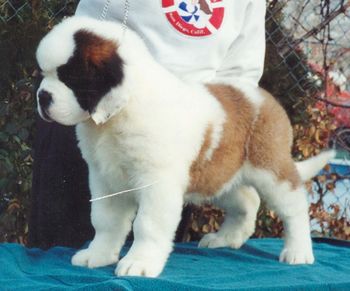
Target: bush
{"type": "Point", "coordinates": [19, 38]}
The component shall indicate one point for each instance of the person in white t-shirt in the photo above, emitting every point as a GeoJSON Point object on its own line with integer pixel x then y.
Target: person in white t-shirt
{"type": "Point", "coordinates": [198, 40]}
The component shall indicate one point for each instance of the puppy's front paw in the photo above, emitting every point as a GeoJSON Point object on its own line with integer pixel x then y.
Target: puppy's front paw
{"type": "Point", "coordinates": [296, 256]}
{"type": "Point", "coordinates": [93, 258]}
{"type": "Point", "coordinates": [140, 266]}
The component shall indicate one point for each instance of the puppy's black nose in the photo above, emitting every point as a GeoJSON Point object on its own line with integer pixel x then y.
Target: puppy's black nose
{"type": "Point", "coordinates": [45, 99]}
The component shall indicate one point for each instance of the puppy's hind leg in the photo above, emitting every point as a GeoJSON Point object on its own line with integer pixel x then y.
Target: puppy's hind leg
{"type": "Point", "coordinates": [240, 207]}
{"type": "Point", "coordinates": [289, 199]}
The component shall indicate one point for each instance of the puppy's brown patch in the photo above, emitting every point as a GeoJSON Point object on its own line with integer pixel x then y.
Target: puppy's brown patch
{"type": "Point", "coordinates": [208, 176]}
{"type": "Point", "coordinates": [271, 140]}
{"type": "Point", "coordinates": [93, 70]}
{"type": "Point", "coordinates": [264, 140]}
{"type": "Point", "coordinates": [94, 48]}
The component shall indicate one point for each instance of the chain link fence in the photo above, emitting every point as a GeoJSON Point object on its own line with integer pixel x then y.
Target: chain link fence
{"type": "Point", "coordinates": [17, 10]}
{"type": "Point", "coordinates": [312, 40]}
{"type": "Point", "coordinates": [307, 68]}
{"type": "Point", "coordinates": [315, 34]}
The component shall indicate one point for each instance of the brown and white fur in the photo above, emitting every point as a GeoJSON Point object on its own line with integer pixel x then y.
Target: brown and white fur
{"type": "Point", "coordinates": [225, 144]}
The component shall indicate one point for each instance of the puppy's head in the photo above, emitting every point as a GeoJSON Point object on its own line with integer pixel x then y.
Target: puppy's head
{"type": "Point", "coordinates": [82, 72]}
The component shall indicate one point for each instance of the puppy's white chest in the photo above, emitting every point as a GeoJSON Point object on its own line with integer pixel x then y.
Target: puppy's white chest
{"type": "Point", "coordinates": [103, 149]}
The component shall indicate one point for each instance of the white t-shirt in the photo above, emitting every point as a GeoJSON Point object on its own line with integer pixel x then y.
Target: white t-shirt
{"type": "Point", "coordinates": [198, 40]}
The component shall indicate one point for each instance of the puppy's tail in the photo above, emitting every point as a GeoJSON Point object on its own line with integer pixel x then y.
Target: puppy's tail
{"type": "Point", "coordinates": [309, 168]}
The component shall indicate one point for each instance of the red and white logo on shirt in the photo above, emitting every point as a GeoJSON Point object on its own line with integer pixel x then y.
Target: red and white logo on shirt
{"type": "Point", "coordinates": [195, 17]}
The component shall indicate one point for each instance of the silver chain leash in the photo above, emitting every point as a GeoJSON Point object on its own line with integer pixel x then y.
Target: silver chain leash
{"type": "Point", "coordinates": [126, 13]}
{"type": "Point", "coordinates": [124, 27]}
{"type": "Point", "coordinates": [105, 10]}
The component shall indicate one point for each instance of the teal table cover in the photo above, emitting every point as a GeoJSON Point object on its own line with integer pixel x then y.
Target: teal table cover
{"type": "Point", "coordinates": [253, 267]}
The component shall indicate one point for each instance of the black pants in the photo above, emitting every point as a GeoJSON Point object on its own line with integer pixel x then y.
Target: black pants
{"type": "Point", "coordinates": [60, 207]}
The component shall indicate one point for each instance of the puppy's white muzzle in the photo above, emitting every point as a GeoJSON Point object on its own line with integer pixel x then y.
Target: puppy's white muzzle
{"type": "Point", "coordinates": [56, 102]}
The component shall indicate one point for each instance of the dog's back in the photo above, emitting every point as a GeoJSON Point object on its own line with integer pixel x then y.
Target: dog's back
{"type": "Point", "coordinates": [261, 136]}
{"type": "Point", "coordinates": [210, 172]}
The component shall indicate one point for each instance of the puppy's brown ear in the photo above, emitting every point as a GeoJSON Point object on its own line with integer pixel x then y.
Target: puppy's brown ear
{"type": "Point", "coordinates": [93, 48]}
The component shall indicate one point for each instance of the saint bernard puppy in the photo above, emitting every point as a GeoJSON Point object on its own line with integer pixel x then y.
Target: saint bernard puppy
{"type": "Point", "coordinates": [138, 124]}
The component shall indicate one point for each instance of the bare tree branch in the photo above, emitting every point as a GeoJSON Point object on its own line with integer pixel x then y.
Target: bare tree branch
{"type": "Point", "coordinates": [336, 104]}
{"type": "Point", "coordinates": [314, 31]}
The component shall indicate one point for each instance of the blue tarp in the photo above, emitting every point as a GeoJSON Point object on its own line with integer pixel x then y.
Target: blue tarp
{"type": "Point", "coordinates": [254, 267]}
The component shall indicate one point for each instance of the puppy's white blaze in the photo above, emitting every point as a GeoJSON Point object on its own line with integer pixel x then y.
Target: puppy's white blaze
{"type": "Point", "coordinates": [52, 53]}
